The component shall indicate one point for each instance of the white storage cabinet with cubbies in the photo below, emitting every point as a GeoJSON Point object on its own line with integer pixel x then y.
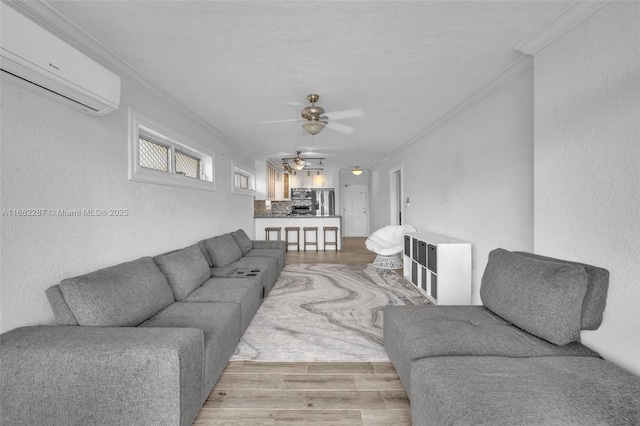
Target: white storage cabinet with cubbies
{"type": "Point", "coordinates": [439, 266]}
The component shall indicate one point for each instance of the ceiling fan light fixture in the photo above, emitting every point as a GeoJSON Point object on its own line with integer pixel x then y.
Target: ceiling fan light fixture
{"type": "Point", "coordinates": [356, 171]}
{"type": "Point", "coordinates": [313, 127]}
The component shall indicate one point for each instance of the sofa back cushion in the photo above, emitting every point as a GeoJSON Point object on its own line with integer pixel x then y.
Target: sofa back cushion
{"type": "Point", "coordinates": [123, 295]}
{"type": "Point", "coordinates": [543, 298]}
{"type": "Point", "coordinates": [61, 310]}
{"type": "Point", "coordinates": [186, 269]}
{"type": "Point", "coordinates": [223, 250]}
{"type": "Point", "coordinates": [203, 248]}
{"type": "Point", "coordinates": [243, 241]}
{"type": "Point", "coordinates": [597, 286]}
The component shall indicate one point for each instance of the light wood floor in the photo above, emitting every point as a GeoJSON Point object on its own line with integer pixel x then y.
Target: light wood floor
{"type": "Point", "coordinates": [353, 252]}
{"type": "Point", "coordinates": [300, 393]}
{"type": "Point", "coordinates": [310, 393]}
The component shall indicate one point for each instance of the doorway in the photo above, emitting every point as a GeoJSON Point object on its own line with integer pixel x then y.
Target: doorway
{"type": "Point", "coordinates": [395, 199]}
{"type": "Point", "coordinates": [356, 206]}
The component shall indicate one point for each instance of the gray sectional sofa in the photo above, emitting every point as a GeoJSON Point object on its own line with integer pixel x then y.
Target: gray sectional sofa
{"type": "Point", "coordinates": [518, 359]}
{"type": "Point", "coordinates": [139, 343]}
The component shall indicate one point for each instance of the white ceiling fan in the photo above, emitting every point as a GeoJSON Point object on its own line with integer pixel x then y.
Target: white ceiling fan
{"type": "Point", "coordinates": [316, 118]}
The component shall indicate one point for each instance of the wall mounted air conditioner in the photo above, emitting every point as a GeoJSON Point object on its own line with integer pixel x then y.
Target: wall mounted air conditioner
{"type": "Point", "coordinates": [37, 60]}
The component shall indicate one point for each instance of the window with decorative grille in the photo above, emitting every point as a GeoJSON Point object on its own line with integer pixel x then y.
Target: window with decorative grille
{"type": "Point", "coordinates": [187, 165]}
{"type": "Point", "coordinates": [159, 155]}
{"type": "Point", "coordinates": [153, 155]}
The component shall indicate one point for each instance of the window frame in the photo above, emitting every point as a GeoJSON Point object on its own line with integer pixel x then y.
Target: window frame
{"type": "Point", "coordinates": [140, 123]}
{"type": "Point", "coordinates": [244, 172]}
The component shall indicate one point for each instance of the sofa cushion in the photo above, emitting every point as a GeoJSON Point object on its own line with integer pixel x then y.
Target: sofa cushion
{"type": "Point", "coordinates": [220, 322]}
{"type": "Point", "coordinates": [61, 310]}
{"type": "Point", "coordinates": [279, 255]}
{"type": "Point", "coordinates": [246, 292]}
{"type": "Point", "coordinates": [597, 287]}
{"type": "Point", "coordinates": [524, 391]}
{"type": "Point", "coordinates": [223, 250]}
{"type": "Point", "coordinates": [243, 240]}
{"type": "Point", "coordinates": [416, 332]}
{"type": "Point", "coordinates": [203, 248]}
{"type": "Point", "coordinates": [123, 295]}
{"type": "Point", "coordinates": [185, 269]}
{"type": "Point", "coordinates": [543, 298]}
{"type": "Point", "coordinates": [223, 271]}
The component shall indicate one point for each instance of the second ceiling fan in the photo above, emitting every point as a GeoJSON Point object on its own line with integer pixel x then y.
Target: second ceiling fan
{"type": "Point", "coordinates": [316, 118]}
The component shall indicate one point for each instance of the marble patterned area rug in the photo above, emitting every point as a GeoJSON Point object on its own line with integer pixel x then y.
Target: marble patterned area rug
{"type": "Point", "coordinates": [325, 312]}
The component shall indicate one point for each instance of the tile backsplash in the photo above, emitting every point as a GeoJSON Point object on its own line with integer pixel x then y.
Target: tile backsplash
{"type": "Point", "coordinates": [261, 208]}
{"type": "Point", "coordinates": [280, 207]}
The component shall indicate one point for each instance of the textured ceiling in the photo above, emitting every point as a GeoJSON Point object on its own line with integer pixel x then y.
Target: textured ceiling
{"type": "Point", "coordinates": [236, 63]}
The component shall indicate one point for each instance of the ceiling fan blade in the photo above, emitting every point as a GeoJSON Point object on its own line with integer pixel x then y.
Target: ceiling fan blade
{"type": "Point", "coordinates": [340, 127]}
{"type": "Point", "coordinates": [282, 121]}
{"type": "Point", "coordinates": [340, 115]}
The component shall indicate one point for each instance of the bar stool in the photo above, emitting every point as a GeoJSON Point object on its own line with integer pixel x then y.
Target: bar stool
{"type": "Point", "coordinates": [295, 229]}
{"type": "Point", "coordinates": [310, 243]}
{"type": "Point", "coordinates": [333, 229]}
{"type": "Point", "coordinates": [270, 229]}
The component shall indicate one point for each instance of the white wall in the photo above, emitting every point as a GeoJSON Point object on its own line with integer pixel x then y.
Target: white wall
{"type": "Point", "coordinates": [54, 157]}
{"type": "Point", "coordinates": [472, 177]}
{"type": "Point", "coordinates": [587, 164]}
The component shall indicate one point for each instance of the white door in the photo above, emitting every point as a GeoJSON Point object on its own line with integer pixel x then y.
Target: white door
{"type": "Point", "coordinates": [395, 177]}
{"type": "Point", "coordinates": [356, 205]}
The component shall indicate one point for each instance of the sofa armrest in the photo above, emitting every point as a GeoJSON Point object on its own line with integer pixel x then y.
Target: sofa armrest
{"type": "Point", "coordinates": [78, 375]}
{"type": "Point", "coordinates": [271, 244]}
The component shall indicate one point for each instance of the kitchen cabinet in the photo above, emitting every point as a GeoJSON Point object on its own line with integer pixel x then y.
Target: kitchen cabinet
{"type": "Point", "coordinates": [300, 180]}
{"type": "Point", "coordinates": [268, 181]}
{"type": "Point", "coordinates": [323, 180]}
{"type": "Point", "coordinates": [286, 186]}
{"type": "Point", "coordinates": [313, 179]}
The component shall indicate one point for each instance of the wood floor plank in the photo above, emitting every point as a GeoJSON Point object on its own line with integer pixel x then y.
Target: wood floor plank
{"type": "Point", "coordinates": [319, 382]}
{"type": "Point", "coordinates": [340, 368]}
{"type": "Point", "coordinates": [261, 399]}
{"type": "Point", "coordinates": [383, 368]}
{"type": "Point", "coordinates": [233, 366]}
{"type": "Point", "coordinates": [319, 417]}
{"type": "Point", "coordinates": [230, 381]}
{"type": "Point", "coordinates": [386, 417]}
{"type": "Point", "coordinates": [261, 367]}
{"type": "Point", "coordinates": [395, 399]}
{"type": "Point", "coordinates": [223, 416]}
{"type": "Point", "coordinates": [344, 400]}
{"type": "Point", "coordinates": [378, 381]}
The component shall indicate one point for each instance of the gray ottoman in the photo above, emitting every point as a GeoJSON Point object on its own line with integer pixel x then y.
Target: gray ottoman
{"type": "Point", "coordinates": [415, 332]}
{"type": "Point", "coordinates": [523, 391]}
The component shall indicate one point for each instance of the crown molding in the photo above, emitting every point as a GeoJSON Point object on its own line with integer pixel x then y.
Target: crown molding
{"type": "Point", "coordinates": [47, 17]}
{"type": "Point", "coordinates": [566, 19]}
{"type": "Point", "coordinates": [518, 67]}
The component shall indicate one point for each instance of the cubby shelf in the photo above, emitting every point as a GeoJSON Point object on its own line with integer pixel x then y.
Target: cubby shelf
{"type": "Point", "coordinates": [439, 266]}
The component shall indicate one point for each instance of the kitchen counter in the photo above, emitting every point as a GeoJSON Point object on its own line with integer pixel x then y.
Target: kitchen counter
{"type": "Point", "coordinates": [283, 221]}
{"type": "Point", "coordinates": [287, 216]}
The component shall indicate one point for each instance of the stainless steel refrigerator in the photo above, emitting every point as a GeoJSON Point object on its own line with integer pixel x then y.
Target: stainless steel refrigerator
{"type": "Point", "coordinates": [323, 201]}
